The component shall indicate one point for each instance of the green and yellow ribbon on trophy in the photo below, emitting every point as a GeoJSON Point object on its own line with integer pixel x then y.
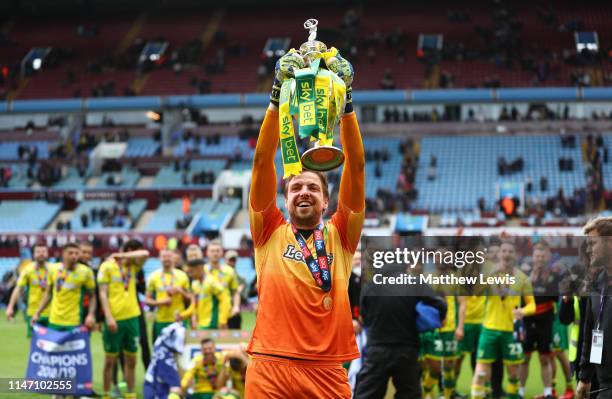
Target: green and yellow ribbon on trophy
{"type": "Point", "coordinates": [315, 96]}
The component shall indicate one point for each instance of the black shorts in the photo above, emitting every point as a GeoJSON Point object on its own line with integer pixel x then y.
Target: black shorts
{"type": "Point", "coordinates": [539, 333]}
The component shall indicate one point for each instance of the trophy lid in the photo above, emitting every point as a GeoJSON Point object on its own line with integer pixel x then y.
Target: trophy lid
{"type": "Point", "coordinates": [312, 47]}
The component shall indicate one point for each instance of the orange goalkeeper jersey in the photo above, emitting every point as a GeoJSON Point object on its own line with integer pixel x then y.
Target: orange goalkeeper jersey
{"type": "Point", "coordinates": [295, 317]}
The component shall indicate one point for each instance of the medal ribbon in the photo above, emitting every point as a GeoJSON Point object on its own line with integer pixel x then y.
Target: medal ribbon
{"type": "Point", "coordinates": [210, 371]}
{"type": "Point", "coordinates": [125, 276]}
{"type": "Point", "coordinates": [62, 277]}
{"type": "Point", "coordinates": [41, 275]}
{"type": "Point", "coordinates": [163, 279]}
{"type": "Point", "coordinates": [319, 268]}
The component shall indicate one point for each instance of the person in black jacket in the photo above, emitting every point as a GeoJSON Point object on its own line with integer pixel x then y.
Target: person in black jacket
{"type": "Point", "coordinates": [389, 315]}
{"type": "Point", "coordinates": [598, 314]}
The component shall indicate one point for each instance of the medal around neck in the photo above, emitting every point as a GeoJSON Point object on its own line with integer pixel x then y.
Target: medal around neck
{"type": "Point", "coordinates": [316, 97]}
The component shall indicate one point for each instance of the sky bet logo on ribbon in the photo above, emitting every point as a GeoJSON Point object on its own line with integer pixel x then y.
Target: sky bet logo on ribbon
{"type": "Point", "coordinates": [319, 245]}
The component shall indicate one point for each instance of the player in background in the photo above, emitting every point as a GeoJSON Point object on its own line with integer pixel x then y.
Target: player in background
{"type": "Point", "coordinates": [193, 252]}
{"type": "Point", "coordinates": [67, 282]}
{"type": "Point", "coordinates": [86, 257]}
{"type": "Point", "coordinates": [239, 297]}
{"type": "Point", "coordinates": [121, 331]}
{"type": "Point", "coordinates": [205, 290]}
{"type": "Point", "coordinates": [234, 370]}
{"type": "Point", "coordinates": [502, 309]}
{"type": "Point", "coordinates": [86, 254]}
{"type": "Point", "coordinates": [33, 281]}
{"type": "Point", "coordinates": [226, 275]}
{"type": "Point", "coordinates": [441, 346]}
{"type": "Point", "coordinates": [539, 326]}
{"type": "Point", "coordinates": [167, 289]}
{"type": "Point", "coordinates": [203, 375]}
{"type": "Point", "coordinates": [475, 300]}
{"type": "Point", "coordinates": [304, 328]}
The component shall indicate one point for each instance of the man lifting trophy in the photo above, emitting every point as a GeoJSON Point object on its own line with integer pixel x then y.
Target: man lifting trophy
{"type": "Point", "coordinates": [304, 329]}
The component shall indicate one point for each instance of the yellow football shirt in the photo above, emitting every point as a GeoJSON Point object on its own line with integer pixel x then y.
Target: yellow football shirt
{"type": "Point", "coordinates": [158, 285]}
{"type": "Point", "coordinates": [204, 376]}
{"type": "Point", "coordinates": [226, 275]}
{"type": "Point", "coordinates": [475, 309]}
{"type": "Point", "coordinates": [68, 289]}
{"type": "Point", "coordinates": [450, 323]}
{"type": "Point", "coordinates": [207, 293]}
{"type": "Point", "coordinates": [123, 300]}
{"type": "Point", "coordinates": [502, 300]}
{"type": "Point", "coordinates": [34, 281]}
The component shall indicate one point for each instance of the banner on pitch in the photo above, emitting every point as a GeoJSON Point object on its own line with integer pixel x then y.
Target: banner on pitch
{"type": "Point", "coordinates": [61, 355]}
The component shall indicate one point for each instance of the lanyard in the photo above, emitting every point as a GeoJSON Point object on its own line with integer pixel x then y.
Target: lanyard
{"type": "Point", "coordinates": [602, 302]}
{"type": "Point", "coordinates": [62, 277]}
{"type": "Point", "coordinates": [41, 274]}
{"type": "Point", "coordinates": [163, 279]}
{"type": "Point", "coordinates": [125, 275]}
{"type": "Point", "coordinates": [319, 268]}
{"type": "Point", "coordinates": [210, 370]}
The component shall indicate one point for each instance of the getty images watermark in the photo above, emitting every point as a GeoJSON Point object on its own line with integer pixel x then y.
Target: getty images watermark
{"type": "Point", "coordinates": [493, 265]}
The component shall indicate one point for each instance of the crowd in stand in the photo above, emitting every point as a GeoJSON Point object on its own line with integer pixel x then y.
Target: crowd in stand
{"type": "Point", "coordinates": [535, 112]}
{"type": "Point", "coordinates": [115, 216]}
{"type": "Point", "coordinates": [399, 199]}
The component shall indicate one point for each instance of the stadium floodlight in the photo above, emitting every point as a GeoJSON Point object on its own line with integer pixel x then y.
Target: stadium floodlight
{"type": "Point", "coordinates": [34, 60]}
{"type": "Point", "coordinates": [153, 52]}
{"type": "Point", "coordinates": [586, 41]}
{"type": "Point", "coordinates": [36, 64]}
{"type": "Point", "coordinates": [276, 46]}
{"type": "Point", "coordinates": [429, 43]}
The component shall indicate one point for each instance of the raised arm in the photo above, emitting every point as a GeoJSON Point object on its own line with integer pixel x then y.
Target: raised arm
{"type": "Point", "coordinates": [263, 184]}
{"type": "Point", "coordinates": [352, 183]}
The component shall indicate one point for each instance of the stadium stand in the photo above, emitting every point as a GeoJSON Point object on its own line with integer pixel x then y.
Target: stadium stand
{"type": "Point", "coordinates": [467, 169]}
{"type": "Point", "coordinates": [10, 150]}
{"type": "Point", "coordinates": [167, 214]}
{"type": "Point", "coordinates": [125, 178]}
{"type": "Point", "coordinates": [199, 173]}
{"type": "Point", "coordinates": [141, 147]}
{"type": "Point", "coordinates": [229, 47]}
{"type": "Point", "coordinates": [24, 216]}
{"type": "Point", "coordinates": [71, 180]}
{"type": "Point", "coordinates": [215, 218]}
{"type": "Point", "coordinates": [110, 215]}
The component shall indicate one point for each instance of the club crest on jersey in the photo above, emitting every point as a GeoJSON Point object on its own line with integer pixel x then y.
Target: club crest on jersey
{"type": "Point", "coordinates": [293, 253]}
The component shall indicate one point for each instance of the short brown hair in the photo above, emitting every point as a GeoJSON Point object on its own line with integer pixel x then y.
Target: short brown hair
{"type": "Point", "coordinates": [602, 225]}
{"type": "Point", "coordinates": [72, 245]}
{"type": "Point", "coordinates": [216, 242]}
{"type": "Point", "coordinates": [321, 176]}
{"type": "Point", "coordinates": [541, 245]}
{"type": "Point", "coordinates": [39, 244]}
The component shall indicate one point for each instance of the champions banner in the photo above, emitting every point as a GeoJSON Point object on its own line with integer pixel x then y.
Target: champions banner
{"type": "Point", "coordinates": [61, 355]}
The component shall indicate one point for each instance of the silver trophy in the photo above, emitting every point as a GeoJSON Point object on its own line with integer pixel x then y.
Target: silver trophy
{"type": "Point", "coordinates": [320, 158]}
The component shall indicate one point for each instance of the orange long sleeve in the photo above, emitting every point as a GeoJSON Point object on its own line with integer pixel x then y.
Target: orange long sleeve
{"type": "Point", "coordinates": [352, 184]}
{"type": "Point", "coordinates": [263, 185]}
